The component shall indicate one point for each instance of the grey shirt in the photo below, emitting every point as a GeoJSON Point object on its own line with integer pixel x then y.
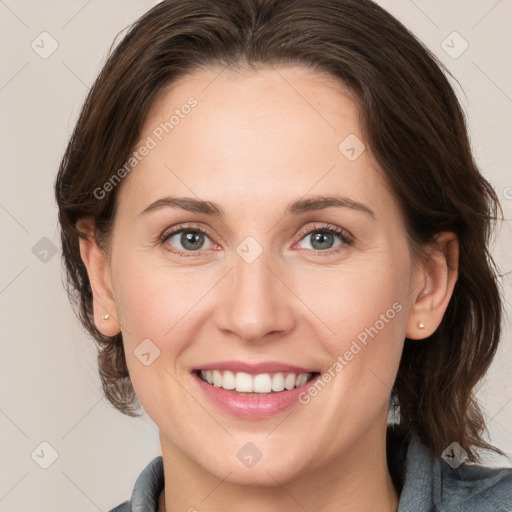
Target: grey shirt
{"type": "Point", "coordinates": [425, 483]}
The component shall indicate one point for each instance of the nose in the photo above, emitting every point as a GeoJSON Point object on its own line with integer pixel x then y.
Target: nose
{"type": "Point", "coordinates": [255, 303]}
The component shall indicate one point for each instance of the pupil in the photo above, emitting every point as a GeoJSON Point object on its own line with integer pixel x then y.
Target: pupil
{"type": "Point", "coordinates": [321, 237]}
{"type": "Point", "coordinates": [189, 238]}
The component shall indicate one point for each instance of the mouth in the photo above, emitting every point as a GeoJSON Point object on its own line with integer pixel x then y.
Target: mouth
{"type": "Point", "coordinates": [259, 384]}
{"type": "Point", "coordinates": [246, 391]}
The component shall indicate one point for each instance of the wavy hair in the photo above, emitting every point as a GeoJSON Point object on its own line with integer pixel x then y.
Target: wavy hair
{"type": "Point", "coordinates": [412, 121]}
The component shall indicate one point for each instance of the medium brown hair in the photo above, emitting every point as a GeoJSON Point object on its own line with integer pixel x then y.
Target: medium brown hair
{"type": "Point", "coordinates": [411, 120]}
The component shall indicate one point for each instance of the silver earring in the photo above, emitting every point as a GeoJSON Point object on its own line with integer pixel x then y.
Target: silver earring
{"type": "Point", "coordinates": [105, 317]}
{"type": "Point", "coordinates": [421, 325]}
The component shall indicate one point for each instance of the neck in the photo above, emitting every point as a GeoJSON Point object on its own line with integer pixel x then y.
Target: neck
{"type": "Point", "coordinates": [357, 479]}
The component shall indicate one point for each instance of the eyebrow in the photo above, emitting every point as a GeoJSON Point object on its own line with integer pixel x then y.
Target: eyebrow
{"type": "Point", "coordinates": [297, 207]}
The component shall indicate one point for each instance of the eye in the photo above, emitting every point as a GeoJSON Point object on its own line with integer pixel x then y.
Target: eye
{"type": "Point", "coordinates": [192, 240]}
{"type": "Point", "coordinates": [322, 238]}
{"type": "Point", "coordinates": [186, 239]}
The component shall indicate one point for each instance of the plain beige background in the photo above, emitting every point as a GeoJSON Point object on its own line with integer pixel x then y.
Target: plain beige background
{"type": "Point", "coordinates": [49, 388]}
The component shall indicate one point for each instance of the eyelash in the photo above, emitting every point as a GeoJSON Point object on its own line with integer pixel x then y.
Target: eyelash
{"type": "Point", "coordinates": [343, 234]}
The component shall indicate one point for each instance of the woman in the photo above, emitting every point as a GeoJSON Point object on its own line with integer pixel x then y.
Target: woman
{"type": "Point", "coordinates": [275, 230]}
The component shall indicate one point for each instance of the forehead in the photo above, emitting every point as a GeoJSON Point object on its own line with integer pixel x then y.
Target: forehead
{"type": "Point", "coordinates": [262, 133]}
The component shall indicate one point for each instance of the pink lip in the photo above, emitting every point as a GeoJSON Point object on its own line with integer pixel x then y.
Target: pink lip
{"type": "Point", "coordinates": [252, 405]}
{"type": "Point", "coordinates": [254, 368]}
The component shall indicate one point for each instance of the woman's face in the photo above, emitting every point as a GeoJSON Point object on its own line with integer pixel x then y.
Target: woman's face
{"type": "Point", "coordinates": [296, 263]}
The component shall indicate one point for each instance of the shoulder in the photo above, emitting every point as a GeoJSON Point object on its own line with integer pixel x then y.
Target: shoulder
{"type": "Point", "coordinates": [429, 483]}
{"type": "Point", "coordinates": [146, 490]}
{"type": "Point", "coordinates": [474, 487]}
{"type": "Point", "coordinates": [123, 507]}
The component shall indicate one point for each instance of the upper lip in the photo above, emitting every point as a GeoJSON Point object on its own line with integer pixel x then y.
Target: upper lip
{"type": "Point", "coordinates": [254, 368]}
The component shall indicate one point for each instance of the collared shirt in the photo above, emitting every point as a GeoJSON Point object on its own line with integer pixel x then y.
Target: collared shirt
{"type": "Point", "coordinates": [425, 483]}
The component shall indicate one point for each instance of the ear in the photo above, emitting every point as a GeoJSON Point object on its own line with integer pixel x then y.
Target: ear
{"type": "Point", "coordinates": [434, 282]}
{"type": "Point", "coordinates": [96, 262]}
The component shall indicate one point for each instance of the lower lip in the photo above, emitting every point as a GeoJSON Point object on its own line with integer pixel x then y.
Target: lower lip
{"type": "Point", "coordinates": [251, 405]}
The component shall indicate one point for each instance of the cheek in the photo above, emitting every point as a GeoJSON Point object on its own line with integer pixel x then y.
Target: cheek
{"type": "Point", "coordinates": [365, 309]}
{"type": "Point", "coordinates": [151, 299]}
{"type": "Point", "coordinates": [366, 312]}
{"type": "Point", "coordinates": [155, 305]}
{"type": "Point", "coordinates": [359, 297]}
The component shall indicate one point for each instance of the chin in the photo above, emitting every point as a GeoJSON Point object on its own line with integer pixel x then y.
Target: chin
{"type": "Point", "coordinates": [248, 466]}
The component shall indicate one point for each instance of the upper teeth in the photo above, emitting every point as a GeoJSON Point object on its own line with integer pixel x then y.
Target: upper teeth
{"type": "Point", "coordinates": [261, 383]}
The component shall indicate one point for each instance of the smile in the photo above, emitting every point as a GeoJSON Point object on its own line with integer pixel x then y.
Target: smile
{"type": "Point", "coordinates": [253, 391]}
{"type": "Point", "coordinates": [261, 383]}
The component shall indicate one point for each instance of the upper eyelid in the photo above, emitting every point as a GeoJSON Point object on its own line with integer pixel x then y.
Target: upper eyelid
{"type": "Point", "coordinates": [326, 227]}
{"type": "Point", "coordinates": [174, 230]}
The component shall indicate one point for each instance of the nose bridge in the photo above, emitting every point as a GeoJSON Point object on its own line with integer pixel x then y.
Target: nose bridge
{"type": "Point", "coordinates": [254, 299]}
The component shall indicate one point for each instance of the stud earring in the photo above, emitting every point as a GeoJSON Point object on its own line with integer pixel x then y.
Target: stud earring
{"type": "Point", "coordinates": [105, 317]}
{"type": "Point", "coordinates": [421, 325]}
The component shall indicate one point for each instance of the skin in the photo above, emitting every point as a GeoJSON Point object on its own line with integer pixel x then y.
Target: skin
{"type": "Point", "coordinates": [256, 141]}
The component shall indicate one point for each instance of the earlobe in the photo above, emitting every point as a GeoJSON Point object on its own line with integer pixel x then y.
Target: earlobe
{"type": "Point", "coordinates": [96, 262]}
{"type": "Point", "coordinates": [434, 285]}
